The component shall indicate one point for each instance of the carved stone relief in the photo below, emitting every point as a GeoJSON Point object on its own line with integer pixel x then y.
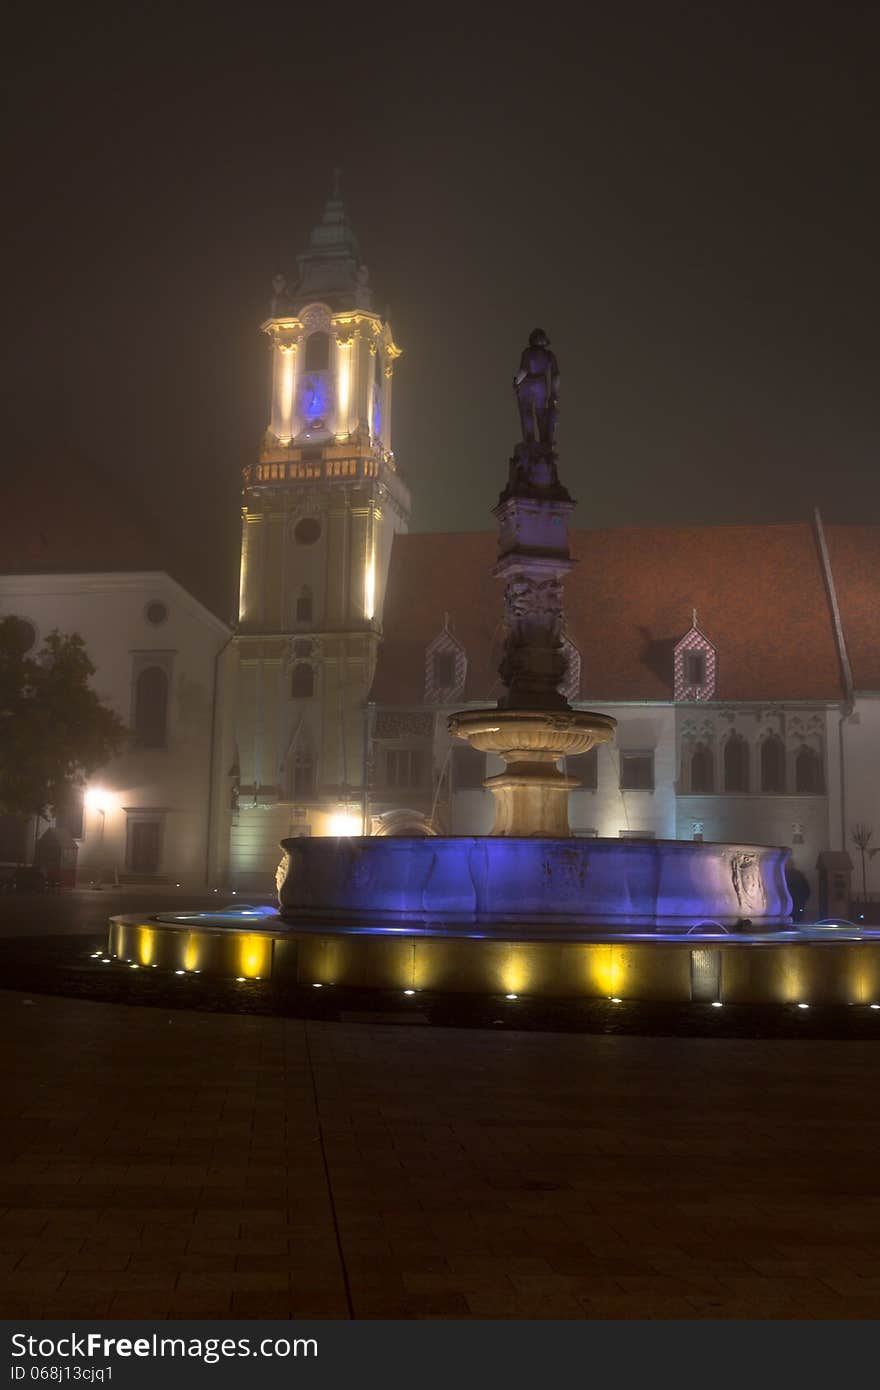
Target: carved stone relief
{"type": "Point", "coordinates": [745, 873]}
{"type": "Point", "coordinates": [403, 724]}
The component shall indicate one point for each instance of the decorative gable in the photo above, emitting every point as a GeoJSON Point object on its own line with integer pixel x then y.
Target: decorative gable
{"type": "Point", "coordinates": [695, 666]}
{"type": "Point", "coordinates": [570, 686]}
{"type": "Point", "coordinates": [445, 668]}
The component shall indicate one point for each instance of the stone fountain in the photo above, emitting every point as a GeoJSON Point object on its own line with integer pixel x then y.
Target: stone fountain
{"type": "Point", "coordinates": [529, 908]}
{"type": "Point", "coordinates": [530, 874]}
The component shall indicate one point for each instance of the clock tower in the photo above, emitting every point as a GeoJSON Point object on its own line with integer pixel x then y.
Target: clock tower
{"type": "Point", "coordinates": [321, 505]}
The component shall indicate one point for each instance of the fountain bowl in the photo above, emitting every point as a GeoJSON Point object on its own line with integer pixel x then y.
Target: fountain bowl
{"type": "Point", "coordinates": [545, 886]}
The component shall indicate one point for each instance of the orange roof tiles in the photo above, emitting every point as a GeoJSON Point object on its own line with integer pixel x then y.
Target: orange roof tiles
{"type": "Point", "coordinates": [759, 592]}
{"type": "Point", "coordinates": [855, 563]}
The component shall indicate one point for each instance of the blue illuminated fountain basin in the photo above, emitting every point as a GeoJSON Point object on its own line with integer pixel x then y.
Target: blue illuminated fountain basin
{"type": "Point", "coordinates": [544, 918]}
{"type": "Point", "coordinates": [561, 886]}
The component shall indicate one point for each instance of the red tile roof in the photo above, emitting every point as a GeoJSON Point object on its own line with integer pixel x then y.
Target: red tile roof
{"type": "Point", "coordinates": [855, 563]}
{"type": "Point", "coordinates": [759, 593]}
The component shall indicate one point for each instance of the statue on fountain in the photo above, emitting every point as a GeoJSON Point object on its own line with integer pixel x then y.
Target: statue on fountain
{"type": "Point", "coordinates": [533, 468]}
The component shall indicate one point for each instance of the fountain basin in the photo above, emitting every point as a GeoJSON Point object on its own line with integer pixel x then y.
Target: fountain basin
{"type": "Point", "coordinates": [817, 965]}
{"type": "Point", "coordinates": [549, 886]}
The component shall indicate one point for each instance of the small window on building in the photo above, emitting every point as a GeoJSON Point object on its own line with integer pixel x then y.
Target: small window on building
{"type": "Point", "coordinates": [144, 845]}
{"type": "Point", "coordinates": [773, 764]}
{"type": "Point", "coordinates": [808, 772]}
{"type": "Point", "coordinates": [303, 783]}
{"type": "Point", "coordinates": [584, 766]}
{"type": "Point", "coordinates": [636, 834]}
{"type": "Point", "coordinates": [736, 764]}
{"type": "Point", "coordinates": [151, 708]}
{"type": "Point", "coordinates": [304, 605]}
{"type": "Point", "coordinates": [444, 669]}
{"type": "Point", "coordinates": [695, 668]}
{"type": "Point", "coordinates": [702, 770]}
{"type": "Point", "coordinates": [637, 772]}
{"type": "Point", "coordinates": [302, 682]}
{"type": "Point", "coordinates": [468, 768]}
{"type": "Point", "coordinates": [317, 352]}
{"type": "Point", "coordinates": [405, 768]}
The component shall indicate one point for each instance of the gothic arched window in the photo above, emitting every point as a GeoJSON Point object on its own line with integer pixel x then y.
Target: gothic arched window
{"type": "Point", "coordinates": [317, 352]}
{"type": "Point", "coordinates": [302, 682]}
{"type": "Point", "coordinates": [773, 764]}
{"type": "Point", "coordinates": [736, 764]}
{"type": "Point", "coordinates": [304, 605]}
{"type": "Point", "coordinates": [702, 770]}
{"type": "Point", "coordinates": [808, 779]}
{"type": "Point", "coordinates": [151, 708]}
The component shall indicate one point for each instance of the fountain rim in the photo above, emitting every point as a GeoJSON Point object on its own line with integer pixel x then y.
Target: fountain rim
{"type": "Point", "coordinates": [563, 841]}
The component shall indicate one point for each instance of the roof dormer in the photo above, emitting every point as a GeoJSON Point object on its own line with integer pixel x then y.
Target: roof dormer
{"type": "Point", "coordinates": [695, 665]}
{"type": "Point", "coordinates": [445, 667]}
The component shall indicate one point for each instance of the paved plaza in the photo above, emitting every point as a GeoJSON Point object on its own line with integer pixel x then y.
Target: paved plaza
{"type": "Point", "coordinates": [161, 1163]}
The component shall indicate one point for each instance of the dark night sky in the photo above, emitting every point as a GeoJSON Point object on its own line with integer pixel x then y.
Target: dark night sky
{"type": "Point", "coordinates": [685, 197]}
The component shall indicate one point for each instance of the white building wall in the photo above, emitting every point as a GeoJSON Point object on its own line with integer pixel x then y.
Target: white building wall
{"type": "Point", "coordinates": [859, 784]}
{"type": "Point", "coordinates": [171, 783]}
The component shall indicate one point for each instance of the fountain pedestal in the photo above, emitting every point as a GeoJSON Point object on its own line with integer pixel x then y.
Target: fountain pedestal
{"type": "Point", "coordinates": [531, 795]}
{"type": "Point", "coordinates": [533, 725]}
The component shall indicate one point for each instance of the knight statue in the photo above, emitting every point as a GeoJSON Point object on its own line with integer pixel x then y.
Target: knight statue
{"type": "Point", "coordinates": [537, 390]}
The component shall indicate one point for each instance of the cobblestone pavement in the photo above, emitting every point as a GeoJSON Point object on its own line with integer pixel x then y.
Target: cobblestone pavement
{"type": "Point", "coordinates": [167, 1164]}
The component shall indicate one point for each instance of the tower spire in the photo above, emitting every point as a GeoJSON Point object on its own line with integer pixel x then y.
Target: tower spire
{"type": "Point", "coordinates": [328, 268]}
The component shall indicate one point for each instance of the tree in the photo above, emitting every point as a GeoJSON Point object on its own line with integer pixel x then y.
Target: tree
{"type": "Point", "coordinates": [862, 836]}
{"type": "Point", "coordinates": [54, 730]}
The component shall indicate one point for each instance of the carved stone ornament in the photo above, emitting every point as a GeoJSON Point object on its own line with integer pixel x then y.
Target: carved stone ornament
{"type": "Point", "coordinates": [564, 874]}
{"type": "Point", "coordinates": [281, 872]}
{"type": "Point", "coordinates": [534, 598]}
{"type": "Point", "coordinates": [394, 724]}
{"type": "Point", "coordinates": [745, 873]}
{"type": "Point", "coordinates": [292, 656]}
{"type": "Point", "coordinates": [315, 317]}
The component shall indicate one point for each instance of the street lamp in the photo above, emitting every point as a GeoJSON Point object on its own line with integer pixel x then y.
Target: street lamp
{"type": "Point", "coordinates": [100, 800]}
